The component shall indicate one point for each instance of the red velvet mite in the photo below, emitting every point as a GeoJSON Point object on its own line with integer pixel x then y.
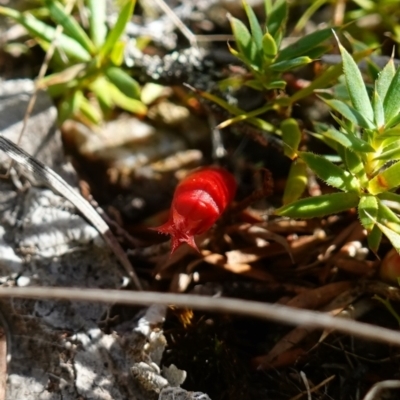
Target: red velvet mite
{"type": "Point", "coordinates": [199, 200]}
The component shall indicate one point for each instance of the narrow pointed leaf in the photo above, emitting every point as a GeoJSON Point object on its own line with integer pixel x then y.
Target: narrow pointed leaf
{"type": "Point", "coordinates": [329, 172]}
{"type": "Point", "coordinates": [287, 65]}
{"type": "Point", "coordinates": [276, 17]}
{"type": "Point", "coordinates": [319, 206]}
{"type": "Point", "coordinates": [278, 84]}
{"type": "Point", "coordinates": [393, 122]}
{"type": "Point", "coordinates": [391, 103]}
{"type": "Point", "coordinates": [389, 196]}
{"type": "Point", "coordinates": [267, 7]}
{"type": "Point", "coordinates": [245, 44]}
{"type": "Point", "coordinates": [392, 132]}
{"type": "Point", "coordinates": [97, 21]}
{"type": "Point", "coordinates": [350, 113]}
{"type": "Point", "coordinates": [385, 78]}
{"type": "Point", "coordinates": [374, 239]}
{"type": "Point", "coordinates": [355, 165]}
{"type": "Point", "coordinates": [307, 14]}
{"type": "Point", "coordinates": [393, 236]}
{"type": "Point", "coordinates": [118, 29]}
{"type": "Point", "coordinates": [356, 86]}
{"type": "Point", "coordinates": [345, 124]}
{"type": "Point", "coordinates": [385, 180]}
{"type": "Point", "coordinates": [70, 25]}
{"type": "Point", "coordinates": [388, 217]}
{"type": "Point", "coordinates": [333, 145]}
{"type": "Point", "coordinates": [279, 36]}
{"type": "Point", "coordinates": [325, 79]}
{"type": "Point", "coordinates": [367, 208]}
{"type": "Point", "coordinates": [353, 143]}
{"type": "Point", "coordinates": [255, 27]}
{"type": "Point", "coordinates": [379, 112]}
{"type": "Point", "coordinates": [304, 45]}
{"type": "Point", "coordinates": [318, 51]}
{"type": "Point", "coordinates": [390, 152]}
{"type": "Point", "coordinates": [47, 33]}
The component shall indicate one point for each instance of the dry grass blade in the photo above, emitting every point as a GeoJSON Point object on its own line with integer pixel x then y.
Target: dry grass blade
{"type": "Point", "coordinates": [273, 312]}
{"type": "Point", "coordinates": [55, 182]}
{"type": "Point", "coordinates": [43, 69]}
{"type": "Point", "coordinates": [315, 388]}
{"type": "Point", "coordinates": [178, 22]}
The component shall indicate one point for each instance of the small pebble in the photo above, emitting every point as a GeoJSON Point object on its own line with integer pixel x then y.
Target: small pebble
{"type": "Point", "coordinates": [23, 281]}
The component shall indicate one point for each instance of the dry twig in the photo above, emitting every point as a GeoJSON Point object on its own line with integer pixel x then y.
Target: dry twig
{"type": "Point", "coordinates": [274, 312]}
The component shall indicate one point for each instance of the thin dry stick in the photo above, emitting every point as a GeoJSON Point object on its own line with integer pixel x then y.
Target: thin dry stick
{"type": "Point", "coordinates": [190, 36]}
{"type": "Point", "coordinates": [315, 388]}
{"type": "Point", "coordinates": [55, 182]}
{"type": "Point", "coordinates": [43, 69]}
{"type": "Point", "coordinates": [273, 312]}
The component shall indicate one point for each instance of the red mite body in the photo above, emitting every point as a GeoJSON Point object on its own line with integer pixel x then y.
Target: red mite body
{"type": "Point", "coordinates": [199, 200]}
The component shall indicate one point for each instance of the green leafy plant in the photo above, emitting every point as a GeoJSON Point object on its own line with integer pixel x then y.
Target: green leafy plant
{"type": "Point", "coordinates": [89, 79]}
{"type": "Point", "coordinates": [367, 144]}
{"type": "Point", "coordinates": [261, 50]}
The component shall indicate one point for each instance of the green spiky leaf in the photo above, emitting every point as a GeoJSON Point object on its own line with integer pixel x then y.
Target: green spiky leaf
{"type": "Point", "coordinates": [356, 86]}
{"type": "Point", "coordinates": [350, 113]}
{"type": "Point", "coordinates": [287, 65]}
{"type": "Point", "coordinates": [385, 78]}
{"type": "Point", "coordinates": [367, 208]}
{"type": "Point", "coordinates": [329, 172]}
{"type": "Point", "coordinates": [391, 102]}
{"type": "Point", "coordinates": [319, 206]}
{"type": "Point", "coordinates": [304, 45]}
{"type": "Point", "coordinates": [351, 142]}
{"type": "Point", "coordinates": [386, 180]}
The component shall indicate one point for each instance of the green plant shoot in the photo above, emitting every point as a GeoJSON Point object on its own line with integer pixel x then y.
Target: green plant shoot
{"type": "Point", "coordinates": [87, 64]}
{"type": "Point", "coordinates": [367, 143]}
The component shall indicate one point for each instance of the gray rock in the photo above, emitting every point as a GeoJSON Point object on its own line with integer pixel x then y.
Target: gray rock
{"type": "Point", "coordinates": [42, 139]}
